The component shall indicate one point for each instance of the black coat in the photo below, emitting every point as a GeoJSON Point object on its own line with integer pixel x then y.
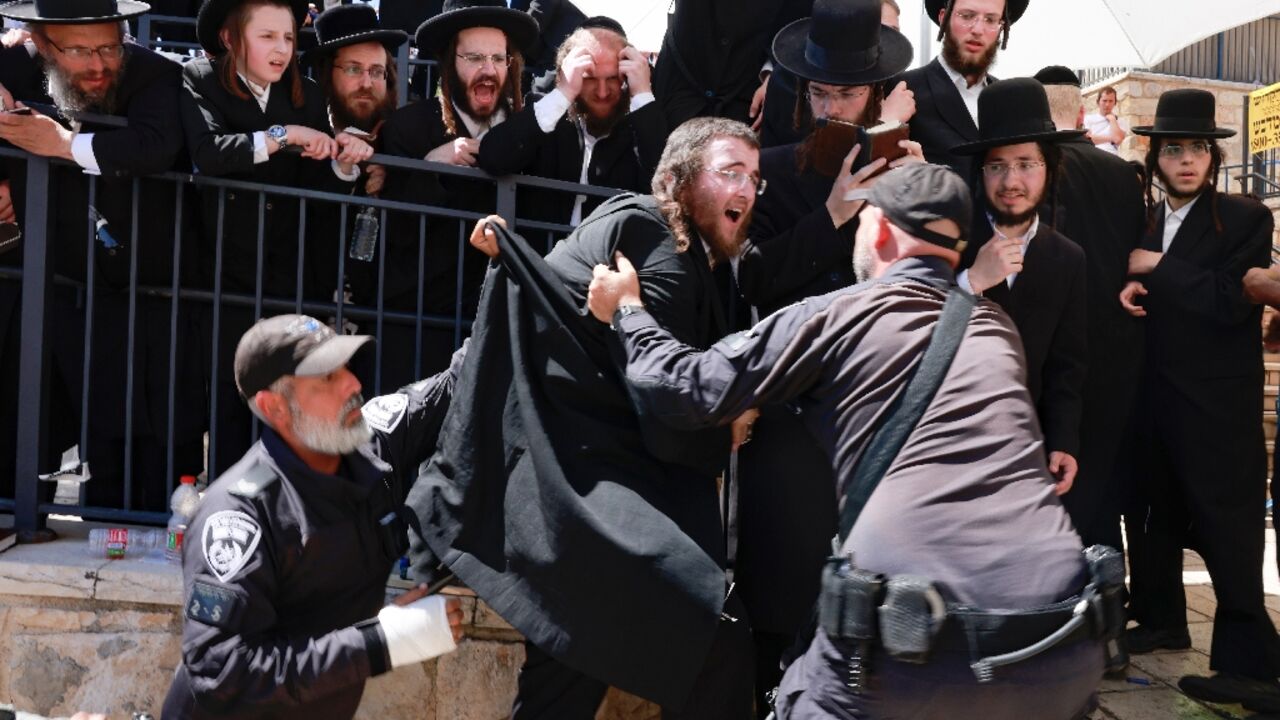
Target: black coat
{"type": "Point", "coordinates": [713, 52]}
{"type": "Point", "coordinates": [413, 131]}
{"type": "Point", "coordinates": [549, 498]}
{"type": "Point", "coordinates": [1100, 208]}
{"type": "Point", "coordinates": [1047, 304]}
{"type": "Point", "coordinates": [220, 128]}
{"type": "Point", "coordinates": [147, 98]}
{"type": "Point", "coordinates": [941, 121]}
{"type": "Point", "coordinates": [624, 159]}
{"type": "Point", "coordinates": [795, 251]}
{"type": "Point", "coordinates": [557, 19]}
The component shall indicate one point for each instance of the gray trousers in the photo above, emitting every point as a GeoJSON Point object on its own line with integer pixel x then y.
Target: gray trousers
{"type": "Point", "coordinates": [1059, 684]}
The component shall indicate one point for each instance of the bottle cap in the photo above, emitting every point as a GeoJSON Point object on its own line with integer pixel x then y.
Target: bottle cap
{"type": "Point", "coordinates": [188, 480]}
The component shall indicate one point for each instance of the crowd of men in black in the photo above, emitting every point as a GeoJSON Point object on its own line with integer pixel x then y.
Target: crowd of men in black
{"type": "Point", "coordinates": [1134, 291]}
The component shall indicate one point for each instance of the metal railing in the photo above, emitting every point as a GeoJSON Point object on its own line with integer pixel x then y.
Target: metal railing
{"type": "Point", "coordinates": [210, 309]}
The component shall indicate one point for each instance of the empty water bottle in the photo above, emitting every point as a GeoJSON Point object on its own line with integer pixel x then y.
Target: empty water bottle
{"type": "Point", "coordinates": [365, 238]}
{"type": "Point", "coordinates": [183, 503]}
{"type": "Point", "coordinates": [116, 543]}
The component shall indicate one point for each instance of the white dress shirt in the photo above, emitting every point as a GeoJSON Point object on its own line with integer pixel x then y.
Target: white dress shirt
{"type": "Point", "coordinates": [963, 278]}
{"type": "Point", "coordinates": [967, 93]}
{"type": "Point", "coordinates": [1173, 220]}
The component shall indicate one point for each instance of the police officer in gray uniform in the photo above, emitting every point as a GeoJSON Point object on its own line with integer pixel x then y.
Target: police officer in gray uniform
{"type": "Point", "coordinates": [961, 590]}
{"type": "Point", "coordinates": [285, 564]}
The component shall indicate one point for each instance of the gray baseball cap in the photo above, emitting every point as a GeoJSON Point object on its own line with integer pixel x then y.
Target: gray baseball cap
{"type": "Point", "coordinates": [914, 195]}
{"type": "Point", "coordinates": [290, 345]}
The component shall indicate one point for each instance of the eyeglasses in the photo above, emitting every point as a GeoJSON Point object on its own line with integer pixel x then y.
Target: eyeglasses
{"type": "Point", "coordinates": [80, 53]}
{"type": "Point", "coordinates": [818, 96]}
{"type": "Point", "coordinates": [479, 59]}
{"type": "Point", "coordinates": [738, 180]}
{"type": "Point", "coordinates": [969, 18]}
{"type": "Point", "coordinates": [1174, 152]}
{"type": "Point", "coordinates": [376, 73]}
{"type": "Point", "coordinates": [1022, 168]}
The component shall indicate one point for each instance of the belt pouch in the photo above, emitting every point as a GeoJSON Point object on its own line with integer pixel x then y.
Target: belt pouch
{"type": "Point", "coordinates": [848, 600]}
{"type": "Point", "coordinates": [910, 618]}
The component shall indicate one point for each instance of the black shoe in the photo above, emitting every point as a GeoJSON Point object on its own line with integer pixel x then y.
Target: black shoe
{"type": "Point", "coordinates": [1269, 704]}
{"type": "Point", "coordinates": [1229, 689]}
{"type": "Point", "coordinates": [1142, 640]}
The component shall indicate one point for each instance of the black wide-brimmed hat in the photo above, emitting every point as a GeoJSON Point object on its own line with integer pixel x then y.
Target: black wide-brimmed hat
{"type": "Point", "coordinates": [1015, 8]}
{"type": "Point", "coordinates": [1185, 114]}
{"type": "Point", "coordinates": [72, 12]}
{"type": "Point", "coordinates": [344, 25]}
{"type": "Point", "coordinates": [843, 43]}
{"type": "Point", "coordinates": [1012, 112]}
{"type": "Point", "coordinates": [213, 13]}
{"type": "Point", "coordinates": [458, 15]}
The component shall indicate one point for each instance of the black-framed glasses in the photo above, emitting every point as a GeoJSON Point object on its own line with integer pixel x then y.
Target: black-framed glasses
{"type": "Point", "coordinates": [377, 73]}
{"type": "Point", "coordinates": [1198, 148]}
{"type": "Point", "coordinates": [79, 53]}
{"type": "Point", "coordinates": [739, 180]}
{"type": "Point", "coordinates": [1021, 168]}
{"type": "Point", "coordinates": [479, 59]}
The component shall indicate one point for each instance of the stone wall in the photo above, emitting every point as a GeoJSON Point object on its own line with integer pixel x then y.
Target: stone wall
{"type": "Point", "coordinates": [83, 633]}
{"type": "Point", "coordinates": [1136, 96]}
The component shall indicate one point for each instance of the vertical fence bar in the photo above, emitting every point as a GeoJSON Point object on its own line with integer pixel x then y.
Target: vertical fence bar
{"type": "Point", "coordinates": [402, 77]}
{"type": "Point", "coordinates": [382, 279]}
{"type": "Point", "coordinates": [302, 254]}
{"type": "Point", "coordinates": [422, 272]}
{"type": "Point", "coordinates": [33, 366]}
{"type": "Point", "coordinates": [342, 243]}
{"type": "Point", "coordinates": [458, 294]}
{"type": "Point", "coordinates": [144, 31]}
{"type": "Point", "coordinates": [91, 277]}
{"type": "Point", "coordinates": [131, 349]}
{"type": "Point", "coordinates": [214, 390]}
{"type": "Point", "coordinates": [175, 288]}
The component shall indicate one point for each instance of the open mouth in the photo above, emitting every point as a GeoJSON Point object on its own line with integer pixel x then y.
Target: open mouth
{"type": "Point", "coordinates": [734, 214]}
{"type": "Point", "coordinates": [484, 91]}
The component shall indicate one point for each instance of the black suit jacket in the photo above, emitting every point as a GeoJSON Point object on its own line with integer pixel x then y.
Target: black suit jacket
{"type": "Point", "coordinates": [624, 159]}
{"type": "Point", "coordinates": [713, 52]}
{"type": "Point", "coordinates": [1047, 304]}
{"type": "Point", "coordinates": [941, 121]}
{"type": "Point", "coordinates": [220, 128]}
{"type": "Point", "coordinates": [794, 250]}
{"type": "Point", "coordinates": [413, 131]}
{"type": "Point", "coordinates": [152, 143]}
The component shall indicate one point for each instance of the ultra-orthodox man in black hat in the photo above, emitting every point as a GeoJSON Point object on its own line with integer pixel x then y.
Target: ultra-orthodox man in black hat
{"type": "Point", "coordinates": [1032, 271]}
{"type": "Point", "coordinates": [946, 90]}
{"type": "Point", "coordinates": [479, 46]}
{"type": "Point", "coordinates": [1099, 207]}
{"type": "Point", "coordinates": [1201, 461]}
{"type": "Point", "coordinates": [77, 69]}
{"type": "Point", "coordinates": [800, 245]}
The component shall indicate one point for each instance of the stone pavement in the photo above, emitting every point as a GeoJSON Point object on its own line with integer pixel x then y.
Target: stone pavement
{"type": "Point", "coordinates": [1151, 690]}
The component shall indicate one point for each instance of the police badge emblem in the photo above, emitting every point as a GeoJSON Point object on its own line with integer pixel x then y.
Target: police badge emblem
{"type": "Point", "coordinates": [385, 412]}
{"type": "Point", "coordinates": [228, 541]}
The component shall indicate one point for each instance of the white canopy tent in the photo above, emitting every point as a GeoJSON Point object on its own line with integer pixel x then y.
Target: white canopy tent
{"type": "Point", "coordinates": [1078, 34]}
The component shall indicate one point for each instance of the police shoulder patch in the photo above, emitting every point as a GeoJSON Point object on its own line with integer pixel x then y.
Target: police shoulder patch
{"type": "Point", "coordinates": [385, 412]}
{"type": "Point", "coordinates": [254, 480]}
{"type": "Point", "coordinates": [228, 541]}
{"type": "Point", "coordinates": [213, 605]}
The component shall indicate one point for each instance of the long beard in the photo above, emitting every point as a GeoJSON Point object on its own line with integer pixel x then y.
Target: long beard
{"type": "Point", "coordinates": [331, 436]}
{"type": "Point", "coordinates": [461, 101]}
{"type": "Point", "coordinates": [705, 220]}
{"type": "Point", "coordinates": [951, 53]}
{"type": "Point", "coordinates": [342, 116]}
{"type": "Point", "coordinates": [864, 261]}
{"type": "Point", "coordinates": [599, 127]}
{"type": "Point", "coordinates": [69, 99]}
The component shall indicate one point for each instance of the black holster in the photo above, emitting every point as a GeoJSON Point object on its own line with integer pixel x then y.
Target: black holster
{"type": "Point", "coordinates": [849, 600]}
{"type": "Point", "coordinates": [1106, 602]}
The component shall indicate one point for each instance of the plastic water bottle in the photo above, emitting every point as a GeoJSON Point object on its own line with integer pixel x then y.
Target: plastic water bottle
{"type": "Point", "coordinates": [365, 238]}
{"type": "Point", "coordinates": [116, 543]}
{"type": "Point", "coordinates": [183, 503]}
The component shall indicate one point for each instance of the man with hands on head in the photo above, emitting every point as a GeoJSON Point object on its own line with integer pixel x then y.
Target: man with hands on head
{"type": "Point", "coordinates": [599, 126]}
{"type": "Point", "coordinates": [286, 561]}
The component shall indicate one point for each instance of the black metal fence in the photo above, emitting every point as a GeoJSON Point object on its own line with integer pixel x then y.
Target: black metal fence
{"type": "Point", "coordinates": [200, 317]}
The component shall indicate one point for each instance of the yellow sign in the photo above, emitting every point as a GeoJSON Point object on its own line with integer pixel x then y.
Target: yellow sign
{"type": "Point", "coordinates": [1264, 119]}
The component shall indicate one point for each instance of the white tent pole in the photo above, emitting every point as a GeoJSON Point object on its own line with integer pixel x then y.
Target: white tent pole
{"type": "Point", "coordinates": [922, 50]}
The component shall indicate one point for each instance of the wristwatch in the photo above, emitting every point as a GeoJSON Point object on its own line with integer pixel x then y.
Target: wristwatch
{"type": "Point", "coordinates": [625, 311]}
{"type": "Point", "coordinates": [280, 135]}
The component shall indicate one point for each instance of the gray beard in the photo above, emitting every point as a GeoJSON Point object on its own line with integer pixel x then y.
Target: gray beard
{"type": "Point", "coordinates": [330, 437]}
{"type": "Point", "coordinates": [864, 263]}
{"type": "Point", "coordinates": [70, 100]}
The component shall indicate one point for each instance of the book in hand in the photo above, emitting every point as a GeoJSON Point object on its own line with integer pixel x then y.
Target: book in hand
{"type": "Point", "coordinates": [833, 139]}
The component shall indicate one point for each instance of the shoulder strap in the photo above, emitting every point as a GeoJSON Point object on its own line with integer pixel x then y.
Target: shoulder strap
{"type": "Point", "coordinates": [908, 408]}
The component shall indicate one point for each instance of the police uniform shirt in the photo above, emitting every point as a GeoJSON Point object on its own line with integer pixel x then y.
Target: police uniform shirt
{"type": "Point", "coordinates": [282, 564]}
{"type": "Point", "coordinates": [843, 358]}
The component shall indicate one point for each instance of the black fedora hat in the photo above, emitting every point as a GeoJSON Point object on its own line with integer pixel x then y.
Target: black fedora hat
{"type": "Point", "coordinates": [1012, 112]}
{"type": "Point", "coordinates": [214, 12]}
{"type": "Point", "coordinates": [72, 12]}
{"type": "Point", "coordinates": [1015, 9]}
{"type": "Point", "coordinates": [1057, 75]}
{"type": "Point", "coordinates": [344, 25]}
{"type": "Point", "coordinates": [843, 43]}
{"type": "Point", "coordinates": [1185, 113]}
{"type": "Point", "coordinates": [458, 15]}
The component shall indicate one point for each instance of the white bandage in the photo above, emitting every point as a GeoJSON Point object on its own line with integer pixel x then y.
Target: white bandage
{"type": "Point", "coordinates": [417, 631]}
